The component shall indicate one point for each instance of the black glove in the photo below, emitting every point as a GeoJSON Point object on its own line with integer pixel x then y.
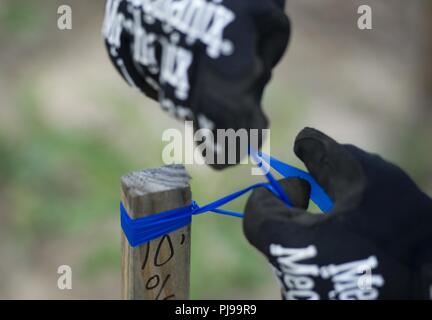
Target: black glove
{"type": "Point", "coordinates": [204, 60]}
{"type": "Point", "coordinates": [376, 243]}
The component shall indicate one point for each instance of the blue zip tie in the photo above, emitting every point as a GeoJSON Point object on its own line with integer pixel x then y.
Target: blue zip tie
{"type": "Point", "coordinates": [142, 230]}
{"type": "Point", "coordinates": [318, 195]}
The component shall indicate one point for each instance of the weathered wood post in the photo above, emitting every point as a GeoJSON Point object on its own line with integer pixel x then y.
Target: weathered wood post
{"type": "Point", "coordinates": [160, 269]}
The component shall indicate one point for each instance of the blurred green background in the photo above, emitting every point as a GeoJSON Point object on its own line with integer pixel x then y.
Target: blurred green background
{"type": "Point", "coordinates": [70, 127]}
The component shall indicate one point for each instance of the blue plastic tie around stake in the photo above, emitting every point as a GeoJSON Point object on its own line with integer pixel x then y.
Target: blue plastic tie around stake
{"type": "Point", "coordinates": [142, 230]}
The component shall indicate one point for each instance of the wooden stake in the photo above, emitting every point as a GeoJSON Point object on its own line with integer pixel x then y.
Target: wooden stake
{"type": "Point", "coordinates": [160, 269]}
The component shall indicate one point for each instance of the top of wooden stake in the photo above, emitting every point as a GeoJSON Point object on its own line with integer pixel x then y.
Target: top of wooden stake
{"type": "Point", "coordinates": [155, 180]}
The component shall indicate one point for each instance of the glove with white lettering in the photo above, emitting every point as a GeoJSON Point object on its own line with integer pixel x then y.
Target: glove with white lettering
{"type": "Point", "coordinates": [207, 61]}
{"type": "Point", "coordinates": [376, 243]}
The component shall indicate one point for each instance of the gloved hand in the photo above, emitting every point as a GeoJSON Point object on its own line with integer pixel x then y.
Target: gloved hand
{"type": "Point", "coordinates": [376, 243]}
{"type": "Point", "coordinates": [204, 60]}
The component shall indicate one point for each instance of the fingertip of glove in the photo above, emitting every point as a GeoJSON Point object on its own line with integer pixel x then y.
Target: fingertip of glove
{"type": "Point", "coordinates": [308, 133]}
{"type": "Point", "coordinates": [311, 145]}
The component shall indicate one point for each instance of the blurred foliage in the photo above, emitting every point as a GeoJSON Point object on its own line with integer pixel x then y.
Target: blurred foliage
{"type": "Point", "coordinates": [62, 179]}
{"type": "Point", "coordinates": [61, 183]}
{"type": "Point", "coordinates": [23, 21]}
{"type": "Point", "coordinates": [105, 257]}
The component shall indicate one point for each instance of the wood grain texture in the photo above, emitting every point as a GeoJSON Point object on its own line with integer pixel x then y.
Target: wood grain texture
{"type": "Point", "coordinates": [160, 269]}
